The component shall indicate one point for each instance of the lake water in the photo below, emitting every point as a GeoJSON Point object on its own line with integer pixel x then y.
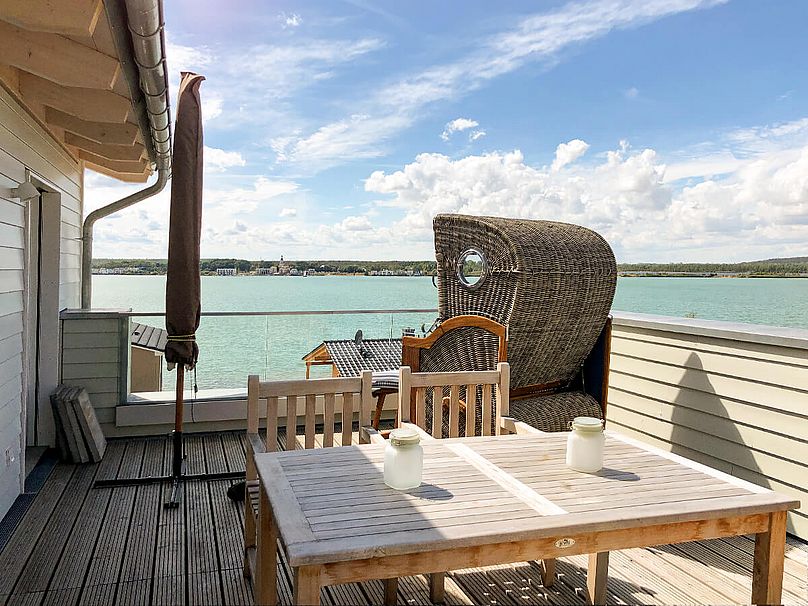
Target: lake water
{"type": "Point", "coordinates": [232, 348]}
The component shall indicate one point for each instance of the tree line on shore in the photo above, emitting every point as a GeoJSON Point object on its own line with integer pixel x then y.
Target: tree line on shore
{"type": "Point", "coordinates": [793, 266]}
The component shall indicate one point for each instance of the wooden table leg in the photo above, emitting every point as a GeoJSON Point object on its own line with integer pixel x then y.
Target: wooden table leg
{"type": "Point", "coordinates": [548, 568]}
{"type": "Point", "coordinates": [437, 582]}
{"type": "Point", "coordinates": [596, 577]}
{"type": "Point", "coordinates": [767, 572]}
{"type": "Point", "coordinates": [307, 585]}
{"type": "Point", "coordinates": [265, 579]}
{"type": "Point", "coordinates": [391, 591]}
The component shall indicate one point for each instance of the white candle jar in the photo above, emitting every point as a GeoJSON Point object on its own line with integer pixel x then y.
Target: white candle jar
{"type": "Point", "coordinates": [403, 459]}
{"type": "Point", "coordinates": [585, 445]}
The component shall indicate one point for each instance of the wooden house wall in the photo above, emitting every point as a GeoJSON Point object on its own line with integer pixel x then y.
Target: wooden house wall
{"type": "Point", "coordinates": [738, 406]}
{"type": "Point", "coordinates": [24, 144]}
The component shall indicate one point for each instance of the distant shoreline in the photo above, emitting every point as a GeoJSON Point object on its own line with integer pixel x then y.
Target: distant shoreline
{"type": "Point", "coordinates": [789, 267]}
{"type": "Point", "coordinates": [620, 274]}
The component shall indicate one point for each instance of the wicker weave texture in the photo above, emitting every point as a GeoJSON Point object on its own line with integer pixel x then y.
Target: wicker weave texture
{"type": "Point", "coordinates": [555, 412]}
{"type": "Point", "coordinates": [551, 283]}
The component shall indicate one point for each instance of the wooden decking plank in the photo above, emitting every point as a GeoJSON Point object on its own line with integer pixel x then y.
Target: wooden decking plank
{"type": "Point", "coordinates": [227, 525]}
{"type": "Point", "coordinates": [169, 560]}
{"type": "Point", "coordinates": [237, 589]}
{"type": "Point", "coordinates": [26, 599]}
{"type": "Point", "coordinates": [61, 597]}
{"type": "Point", "coordinates": [132, 459]}
{"type": "Point", "coordinates": [736, 569]}
{"type": "Point", "coordinates": [679, 564]}
{"type": "Point", "coordinates": [133, 593]}
{"type": "Point", "coordinates": [201, 547]}
{"type": "Point", "coordinates": [341, 595]}
{"type": "Point", "coordinates": [107, 558]}
{"type": "Point", "coordinates": [168, 591]}
{"type": "Point", "coordinates": [111, 463]}
{"type": "Point", "coordinates": [77, 556]}
{"type": "Point", "coordinates": [194, 454]}
{"type": "Point", "coordinates": [154, 457]}
{"type": "Point", "coordinates": [234, 451]}
{"type": "Point", "coordinates": [204, 589]}
{"type": "Point", "coordinates": [22, 542]}
{"type": "Point", "coordinates": [138, 562]}
{"type": "Point", "coordinates": [98, 595]}
{"type": "Point", "coordinates": [43, 560]}
{"type": "Point", "coordinates": [742, 548]}
{"type": "Point", "coordinates": [215, 461]}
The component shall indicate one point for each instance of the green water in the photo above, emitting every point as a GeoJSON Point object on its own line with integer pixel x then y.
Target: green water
{"type": "Point", "coordinates": [232, 348]}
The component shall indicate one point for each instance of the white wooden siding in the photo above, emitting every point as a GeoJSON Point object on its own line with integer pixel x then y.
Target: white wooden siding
{"type": "Point", "coordinates": [92, 346]}
{"type": "Point", "coordinates": [12, 265]}
{"type": "Point", "coordinates": [731, 401]}
{"type": "Point", "coordinates": [25, 145]}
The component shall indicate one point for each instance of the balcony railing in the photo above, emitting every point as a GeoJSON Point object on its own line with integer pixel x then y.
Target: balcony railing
{"type": "Point", "coordinates": [732, 396]}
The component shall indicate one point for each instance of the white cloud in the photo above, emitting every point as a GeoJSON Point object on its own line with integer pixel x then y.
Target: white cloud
{"type": "Point", "coordinates": [290, 20]}
{"type": "Point", "coordinates": [476, 134]}
{"type": "Point", "coordinates": [212, 107]}
{"type": "Point", "coordinates": [457, 125]}
{"type": "Point", "coordinates": [758, 210]}
{"type": "Point", "coordinates": [569, 152]}
{"type": "Point", "coordinates": [278, 71]}
{"type": "Point", "coordinates": [219, 160]}
{"type": "Point", "coordinates": [538, 38]}
{"type": "Point", "coordinates": [631, 93]}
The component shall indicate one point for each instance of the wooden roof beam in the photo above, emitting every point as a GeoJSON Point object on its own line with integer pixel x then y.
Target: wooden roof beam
{"type": "Point", "coordinates": [119, 166]}
{"type": "Point", "coordinates": [131, 153]}
{"type": "Point", "coordinates": [104, 133]}
{"type": "Point", "coordinates": [84, 103]}
{"type": "Point", "coordinates": [126, 177]}
{"type": "Point", "coordinates": [69, 18]}
{"type": "Point", "coordinates": [57, 58]}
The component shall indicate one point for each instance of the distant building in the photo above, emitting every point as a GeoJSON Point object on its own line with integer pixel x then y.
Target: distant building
{"type": "Point", "coordinates": [226, 271]}
{"type": "Point", "coordinates": [267, 271]}
{"type": "Point", "coordinates": [294, 272]}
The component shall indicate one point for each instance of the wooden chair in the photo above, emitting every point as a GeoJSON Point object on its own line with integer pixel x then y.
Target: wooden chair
{"type": "Point", "coordinates": [355, 396]}
{"type": "Point", "coordinates": [491, 388]}
{"type": "Point", "coordinates": [462, 343]}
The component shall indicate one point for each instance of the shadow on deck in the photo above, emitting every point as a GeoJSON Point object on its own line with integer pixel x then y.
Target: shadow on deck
{"type": "Point", "coordinates": [72, 544]}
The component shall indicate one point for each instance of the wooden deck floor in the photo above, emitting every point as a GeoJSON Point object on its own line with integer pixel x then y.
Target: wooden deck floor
{"type": "Point", "coordinates": [79, 545]}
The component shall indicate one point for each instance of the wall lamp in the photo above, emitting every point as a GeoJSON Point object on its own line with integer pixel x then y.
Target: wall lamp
{"type": "Point", "coordinates": [25, 191]}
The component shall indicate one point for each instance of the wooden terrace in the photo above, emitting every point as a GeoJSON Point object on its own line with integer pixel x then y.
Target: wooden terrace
{"type": "Point", "coordinates": [73, 544]}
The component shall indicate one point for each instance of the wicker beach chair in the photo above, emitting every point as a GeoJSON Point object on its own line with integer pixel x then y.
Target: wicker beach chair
{"type": "Point", "coordinates": [552, 285]}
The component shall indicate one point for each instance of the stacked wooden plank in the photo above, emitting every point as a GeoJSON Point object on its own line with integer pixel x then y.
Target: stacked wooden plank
{"type": "Point", "coordinates": [78, 435]}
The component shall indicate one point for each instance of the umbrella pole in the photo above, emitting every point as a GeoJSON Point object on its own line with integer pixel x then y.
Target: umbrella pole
{"type": "Point", "coordinates": [176, 467]}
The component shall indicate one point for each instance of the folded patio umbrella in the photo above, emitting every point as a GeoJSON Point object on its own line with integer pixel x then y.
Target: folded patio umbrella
{"type": "Point", "coordinates": [183, 303]}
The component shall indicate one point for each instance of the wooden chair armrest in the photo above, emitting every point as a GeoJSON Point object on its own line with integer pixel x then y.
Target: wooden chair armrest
{"type": "Point", "coordinates": [256, 443]}
{"type": "Point", "coordinates": [425, 437]}
{"type": "Point", "coordinates": [368, 435]}
{"type": "Point", "coordinates": [511, 425]}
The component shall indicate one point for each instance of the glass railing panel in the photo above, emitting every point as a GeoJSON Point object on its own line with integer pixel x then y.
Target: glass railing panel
{"type": "Point", "coordinates": [234, 345]}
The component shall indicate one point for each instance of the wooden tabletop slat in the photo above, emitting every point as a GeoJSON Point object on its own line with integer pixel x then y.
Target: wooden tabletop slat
{"type": "Point", "coordinates": [505, 488]}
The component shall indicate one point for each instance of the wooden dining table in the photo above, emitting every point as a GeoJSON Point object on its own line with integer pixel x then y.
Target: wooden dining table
{"type": "Point", "coordinates": [496, 500]}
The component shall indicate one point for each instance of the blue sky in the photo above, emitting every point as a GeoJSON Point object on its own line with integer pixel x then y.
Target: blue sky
{"type": "Point", "coordinates": [678, 129]}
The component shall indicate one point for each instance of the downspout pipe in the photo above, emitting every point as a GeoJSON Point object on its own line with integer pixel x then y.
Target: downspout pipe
{"type": "Point", "coordinates": [137, 30]}
{"type": "Point", "coordinates": [163, 175]}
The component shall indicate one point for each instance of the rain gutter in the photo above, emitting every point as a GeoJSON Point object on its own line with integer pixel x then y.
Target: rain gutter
{"type": "Point", "coordinates": [137, 30]}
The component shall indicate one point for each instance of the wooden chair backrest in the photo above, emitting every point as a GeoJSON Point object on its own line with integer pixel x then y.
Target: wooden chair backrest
{"type": "Point", "coordinates": [411, 347]}
{"type": "Point", "coordinates": [491, 382]}
{"type": "Point", "coordinates": [352, 389]}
